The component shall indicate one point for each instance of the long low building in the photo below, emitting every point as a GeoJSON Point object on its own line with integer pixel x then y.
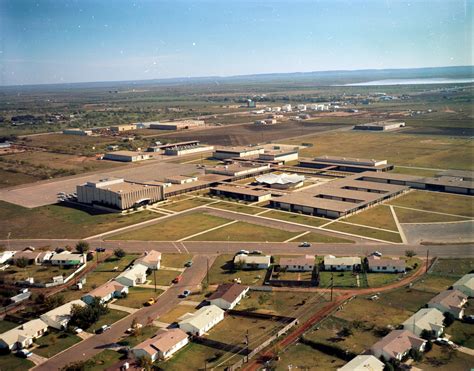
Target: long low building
{"type": "Point", "coordinates": [237, 152]}
{"type": "Point", "coordinates": [241, 193]}
{"type": "Point", "coordinates": [348, 164]}
{"type": "Point", "coordinates": [239, 169]}
{"type": "Point", "coordinates": [116, 193]}
{"type": "Point", "coordinates": [281, 181]}
{"type": "Point", "coordinates": [177, 125]}
{"type": "Point", "coordinates": [127, 156]}
{"type": "Point", "coordinates": [380, 126]}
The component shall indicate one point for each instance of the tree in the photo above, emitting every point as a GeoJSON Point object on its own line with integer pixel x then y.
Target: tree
{"type": "Point", "coordinates": [144, 362]}
{"type": "Point", "coordinates": [52, 302]}
{"type": "Point", "coordinates": [428, 346]}
{"type": "Point", "coordinates": [22, 262]}
{"type": "Point", "coordinates": [410, 253]}
{"type": "Point", "coordinates": [119, 253]}
{"type": "Point", "coordinates": [85, 316]}
{"type": "Point", "coordinates": [416, 355]}
{"type": "Point", "coordinates": [82, 247]}
{"type": "Point", "coordinates": [448, 319]}
{"type": "Point", "coordinates": [75, 366]}
{"type": "Point", "coordinates": [427, 335]}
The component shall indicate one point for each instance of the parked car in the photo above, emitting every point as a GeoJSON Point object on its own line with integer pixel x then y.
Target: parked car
{"type": "Point", "coordinates": [256, 252]}
{"type": "Point", "coordinates": [176, 279]}
{"type": "Point", "coordinates": [77, 330]}
{"type": "Point", "coordinates": [150, 301]}
{"type": "Point", "coordinates": [376, 253]}
{"type": "Point", "coordinates": [102, 329]}
{"type": "Point", "coordinates": [444, 341]}
{"type": "Point", "coordinates": [185, 293]}
{"type": "Point", "coordinates": [304, 244]}
{"type": "Point", "coordinates": [23, 353]}
{"type": "Point", "coordinates": [469, 319]}
{"type": "Point", "coordinates": [100, 249]}
{"type": "Point", "coordinates": [188, 264]}
{"type": "Point", "coordinates": [242, 252]}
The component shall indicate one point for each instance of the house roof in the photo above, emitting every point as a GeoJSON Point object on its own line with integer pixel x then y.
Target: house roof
{"type": "Point", "coordinates": [397, 342]}
{"type": "Point", "coordinates": [378, 262]}
{"type": "Point", "coordinates": [26, 254]}
{"type": "Point", "coordinates": [298, 260]}
{"type": "Point", "coordinates": [467, 280]}
{"type": "Point", "coordinates": [228, 292]}
{"type": "Point", "coordinates": [163, 341]}
{"type": "Point", "coordinates": [426, 319]}
{"type": "Point", "coordinates": [137, 270]}
{"type": "Point", "coordinates": [449, 299]}
{"type": "Point", "coordinates": [349, 260]}
{"type": "Point", "coordinates": [252, 259]}
{"type": "Point", "coordinates": [67, 256]}
{"type": "Point", "coordinates": [203, 316]}
{"type": "Point", "coordinates": [151, 256]}
{"type": "Point", "coordinates": [63, 310]}
{"type": "Point", "coordinates": [106, 289]}
{"type": "Point", "coordinates": [25, 331]}
{"type": "Point", "coordinates": [363, 363]}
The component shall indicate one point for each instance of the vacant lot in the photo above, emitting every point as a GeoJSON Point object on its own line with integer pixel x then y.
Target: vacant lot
{"type": "Point", "coordinates": [379, 216]}
{"type": "Point", "coordinates": [114, 264]}
{"type": "Point", "coordinates": [175, 228]}
{"type": "Point", "coordinates": [41, 274]}
{"type": "Point", "coordinates": [453, 267]}
{"type": "Point", "coordinates": [233, 206]}
{"type": "Point", "coordinates": [175, 260]}
{"type": "Point", "coordinates": [443, 358]}
{"type": "Point", "coordinates": [437, 202]}
{"type": "Point", "coordinates": [398, 148]}
{"type": "Point", "coordinates": [62, 222]}
{"type": "Point", "coordinates": [365, 232]}
{"type": "Point", "coordinates": [163, 277]}
{"type": "Point", "coordinates": [137, 296]}
{"type": "Point", "coordinates": [418, 216]}
{"type": "Point", "coordinates": [295, 218]}
{"type": "Point", "coordinates": [304, 357]}
{"type": "Point", "coordinates": [174, 314]}
{"type": "Point", "coordinates": [222, 270]}
{"type": "Point", "coordinates": [242, 231]}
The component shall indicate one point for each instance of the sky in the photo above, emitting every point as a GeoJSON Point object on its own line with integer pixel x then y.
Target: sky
{"type": "Point", "coordinates": [57, 41]}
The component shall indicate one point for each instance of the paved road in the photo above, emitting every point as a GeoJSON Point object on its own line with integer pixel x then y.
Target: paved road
{"type": "Point", "coordinates": [195, 247]}
{"type": "Point", "coordinates": [86, 349]}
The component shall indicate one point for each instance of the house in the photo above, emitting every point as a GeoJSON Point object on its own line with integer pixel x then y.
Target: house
{"type": "Point", "coordinates": [465, 284]}
{"type": "Point", "coordinates": [45, 257]}
{"type": "Point", "coordinates": [151, 260]}
{"type": "Point", "coordinates": [59, 317]}
{"type": "Point", "coordinates": [298, 264]}
{"type": "Point", "coordinates": [429, 319]}
{"type": "Point", "coordinates": [106, 292]}
{"type": "Point", "coordinates": [163, 345]}
{"type": "Point", "coordinates": [252, 261]}
{"type": "Point", "coordinates": [377, 264]}
{"type": "Point", "coordinates": [341, 264]}
{"type": "Point", "coordinates": [133, 276]}
{"type": "Point", "coordinates": [31, 256]}
{"type": "Point", "coordinates": [6, 255]}
{"type": "Point", "coordinates": [67, 259]}
{"type": "Point", "coordinates": [228, 295]}
{"type": "Point", "coordinates": [397, 344]}
{"type": "Point", "coordinates": [201, 321]}
{"type": "Point", "coordinates": [451, 301]}
{"type": "Point", "coordinates": [363, 363]}
{"type": "Point", "coordinates": [24, 335]}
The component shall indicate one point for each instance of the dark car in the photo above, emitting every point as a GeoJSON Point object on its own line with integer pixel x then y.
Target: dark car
{"type": "Point", "coordinates": [102, 329]}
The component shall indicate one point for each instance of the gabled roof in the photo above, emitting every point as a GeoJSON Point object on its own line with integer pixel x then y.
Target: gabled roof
{"type": "Point", "coordinates": [106, 289]}
{"type": "Point", "coordinates": [67, 256]}
{"type": "Point", "coordinates": [252, 259]}
{"type": "Point", "coordinates": [375, 261]}
{"type": "Point", "coordinates": [398, 342]}
{"type": "Point", "coordinates": [349, 260]}
{"type": "Point", "coordinates": [449, 299]}
{"type": "Point", "coordinates": [203, 316]}
{"type": "Point", "coordinates": [467, 280]}
{"type": "Point", "coordinates": [163, 341]}
{"type": "Point", "coordinates": [63, 310]}
{"type": "Point", "coordinates": [25, 331]}
{"type": "Point", "coordinates": [137, 270]}
{"type": "Point", "coordinates": [151, 256]}
{"type": "Point", "coordinates": [363, 363]}
{"type": "Point", "coordinates": [426, 319]}
{"type": "Point", "coordinates": [228, 292]}
{"type": "Point", "coordinates": [298, 260]}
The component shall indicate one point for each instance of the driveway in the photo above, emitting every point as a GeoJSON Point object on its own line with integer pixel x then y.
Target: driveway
{"type": "Point", "coordinates": [86, 349]}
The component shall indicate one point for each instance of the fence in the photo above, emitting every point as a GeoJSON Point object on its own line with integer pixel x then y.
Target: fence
{"type": "Point", "coordinates": [269, 280]}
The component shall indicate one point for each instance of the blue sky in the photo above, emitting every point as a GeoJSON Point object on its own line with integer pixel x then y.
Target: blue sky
{"type": "Point", "coordinates": [54, 41]}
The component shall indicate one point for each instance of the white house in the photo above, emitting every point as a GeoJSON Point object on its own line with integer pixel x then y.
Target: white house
{"type": "Point", "coordinates": [341, 264]}
{"type": "Point", "coordinates": [397, 344]}
{"type": "Point", "coordinates": [451, 301]}
{"type": "Point", "coordinates": [106, 292]}
{"type": "Point", "coordinates": [59, 317]}
{"type": "Point", "coordinates": [201, 321]}
{"type": "Point", "coordinates": [6, 255]}
{"type": "Point", "coordinates": [228, 295]}
{"type": "Point", "coordinates": [151, 260]}
{"type": "Point", "coordinates": [133, 276]}
{"type": "Point", "coordinates": [377, 264]}
{"type": "Point", "coordinates": [253, 261]}
{"type": "Point", "coordinates": [429, 319]}
{"type": "Point", "coordinates": [363, 363]}
{"type": "Point", "coordinates": [298, 264]}
{"type": "Point", "coordinates": [163, 345]}
{"type": "Point", "coordinates": [24, 335]}
{"type": "Point", "coordinates": [465, 284]}
{"type": "Point", "coordinates": [68, 259]}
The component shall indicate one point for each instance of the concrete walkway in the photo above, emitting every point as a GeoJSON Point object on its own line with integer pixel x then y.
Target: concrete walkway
{"type": "Point", "coordinates": [37, 360]}
{"type": "Point", "coordinates": [399, 227]}
{"type": "Point", "coordinates": [297, 236]}
{"type": "Point", "coordinates": [122, 308]}
{"type": "Point", "coordinates": [208, 230]}
{"type": "Point", "coordinates": [152, 286]}
{"type": "Point", "coordinates": [172, 269]}
{"type": "Point", "coordinates": [466, 350]}
{"type": "Point", "coordinates": [190, 303]}
{"type": "Point", "coordinates": [85, 335]}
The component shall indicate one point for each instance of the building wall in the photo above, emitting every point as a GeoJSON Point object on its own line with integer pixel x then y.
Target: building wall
{"type": "Point", "coordinates": [222, 154]}
{"type": "Point", "coordinates": [174, 349]}
{"type": "Point", "coordinates": [186, 151]}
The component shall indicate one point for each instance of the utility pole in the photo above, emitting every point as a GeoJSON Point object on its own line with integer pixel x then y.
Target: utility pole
{"type": "Point", "coordinates": [154, 277]}
{"type": "Point", "coordinates": [332, 283]}
{"type": "Point", "coordinates": [247, 345]}
{"type": "Point", "coordinates": [8, 239]}
{"type": "Point", "coordinates": [207, 272]}
{"type": "Point", "coordinates": [427, 261]}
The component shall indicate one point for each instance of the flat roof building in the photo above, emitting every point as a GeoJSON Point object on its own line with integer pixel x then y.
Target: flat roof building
{"type": "Point", "coordinates": [123, 127]}
{"type": "Point", "coordinates": [127, 156]}
{"type": "Point", "coordinates": [116, 193]}
{"type": "Point", "coordinates": [348, 164]}
{"type": "Point", "coordinates": [238, 169]}
{"type": "Point", "coordinates": [237, 152]}
{"type": "Point", "coordinates": [281, 181]}
{"type": "Point", "coordinates": [280, 153]}
{"type": "Point", "coordinates": [241, 193]}
{"type": "Point", "coordinates": [77, 131]}
{"type": "Point", "coordinates": [177, 125]}
{"type": "Point", "coordinates": [380, 126]}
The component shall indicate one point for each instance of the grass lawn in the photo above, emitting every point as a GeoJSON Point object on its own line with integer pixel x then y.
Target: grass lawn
{"type": "Point", "coordinates": [62, 222]}
{"type": "Point", "coordinates": [301, 356]}
{"type": "Point", "coordinates": [110, 263]}
{"type": "Point", "coordinates": [293, 276]}
{"type": "Point", "coordinates": [365, 232]}
{"type": "Point", "coordinates": [341, 279]}
{"type": "Point", "coordinates": [40, 273]}
{"type": "Point", "coordinates": [438, 202]}
{"type": "Point", "coordinates": [137, 296]}
{"type": "Point", "coordinates": [242, 231]}
{"type": "Point", "coordinates": [163, 277]}
{"type": "Point", "coordinates": [443, 358]}
{"type": "Point", "coordinates": [174, 228]}
{"type": "Point", "coordinates": [234, 206]}
{"type": "Point", "coordinates": [107, 319]}
{"type": "Point", "coordinates": [145, 332]}
{"type": "Point", "coordinates": [55, 342]}
{"type": "Point", "coordinates": [321, 238]}
{"type": "Point", "coordinates": [295, 218]}
{"type": "Point", "coordinates": [12, 362]}
{"type": "Point", "coordinates": [462, 333]}
{"type": "Point", "coordinates": [174, 314]}
{"type": "Point", "coordinates": [175, 260]}
{"type": "Point", "coordinates": [405, 298]}
{"type": "Point", "coordinates": [7, 325]}
{"type": "Point", "coordinates": [418, 216]}
{"type": "Point", "coordinates": [186, 204]}
{"type": "Point", "coordinates": [382, 279]}
{"type": "Point", "coordinates": [222, 271]}
{"type": "Point", "coordinates": [434, 283]}
{"type": "Point", "coordinates": [453, 267]}
{"type": "Point", "coordinates": [103, 360]}
{"type": "Point", "coordinates": [379, 216]}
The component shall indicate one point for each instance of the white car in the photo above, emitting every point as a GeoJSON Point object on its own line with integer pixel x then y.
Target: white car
{"type": "Point", "coordinates": [242, 252]}
{"type": "Point", "coordinates": [77, 330]}
{"type": "Point", "coordinates": [377, 253]}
